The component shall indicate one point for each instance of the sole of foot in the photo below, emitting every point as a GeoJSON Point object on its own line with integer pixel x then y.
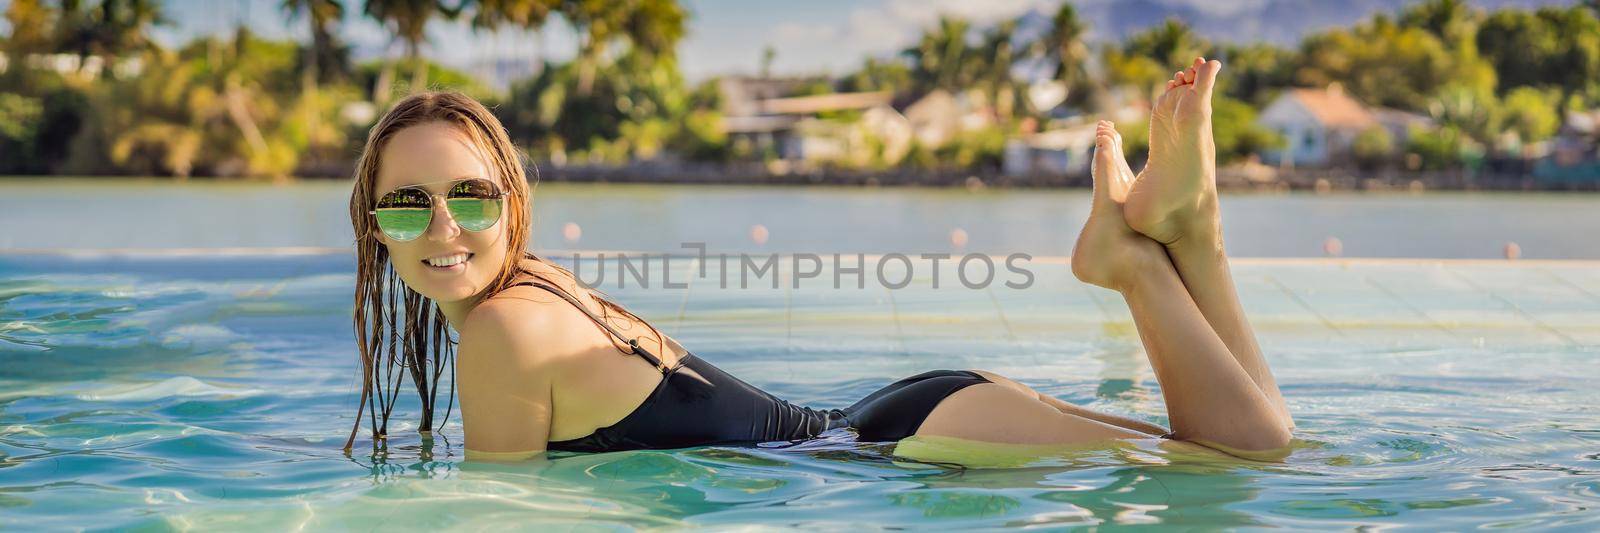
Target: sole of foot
{"type": "Point", "coordinates": [1174, 198]}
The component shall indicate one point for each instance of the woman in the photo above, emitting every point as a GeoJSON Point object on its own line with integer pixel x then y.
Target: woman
{"type": "Point", "coordinates": [441, 205]}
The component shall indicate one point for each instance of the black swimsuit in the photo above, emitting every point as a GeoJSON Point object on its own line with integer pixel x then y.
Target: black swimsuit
{"type": "Point", "coordinates": [708, 406]}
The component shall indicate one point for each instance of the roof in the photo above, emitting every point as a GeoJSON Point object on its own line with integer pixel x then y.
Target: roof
{"type": "Point", "coordinates": [802, 105]}
{"type": "Point", "coordinates": [1334, 108]}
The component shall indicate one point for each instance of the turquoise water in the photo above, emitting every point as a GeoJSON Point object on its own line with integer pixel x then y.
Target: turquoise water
{"type": "Point", "coordinates": [214, 391]}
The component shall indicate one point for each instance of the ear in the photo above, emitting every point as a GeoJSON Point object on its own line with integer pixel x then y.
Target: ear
{"type": "Point", "coordinates": [378, 235]}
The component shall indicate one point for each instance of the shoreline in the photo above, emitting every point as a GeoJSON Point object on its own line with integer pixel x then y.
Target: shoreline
{"type": "Point", "coordinates": [1228, 179]}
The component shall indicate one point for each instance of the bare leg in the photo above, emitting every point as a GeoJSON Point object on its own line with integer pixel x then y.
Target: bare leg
{"type": "Point", "coordinates": [1174, 201]}
{"type": "Point", "coordinates": [1067, 408]}
{"type": "Point", "coordinates": [1210, 398]}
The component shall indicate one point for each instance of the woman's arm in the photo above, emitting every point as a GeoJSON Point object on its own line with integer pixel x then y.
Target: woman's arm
{"type": "Point", "coordinates": [504, 384]}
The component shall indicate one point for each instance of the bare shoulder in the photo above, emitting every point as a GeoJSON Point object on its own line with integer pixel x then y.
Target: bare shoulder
{"type": "Point", "coordinates": [507, 365]}
{"type": "Point", "coordinates": [520, 325]}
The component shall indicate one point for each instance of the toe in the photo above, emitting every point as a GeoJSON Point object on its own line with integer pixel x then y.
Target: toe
{"type": "Point", "coordinates": [1206, 79]}
{"type": "Point", "coordinates": [1188, 76]}
{"type": "Point", "coordinates": [1104, 162]}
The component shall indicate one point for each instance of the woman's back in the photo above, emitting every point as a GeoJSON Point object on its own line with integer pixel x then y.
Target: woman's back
{"type": "Point", "coordinates": [595, 383]}
{"type": "Point", "coordinates": [691, 402]}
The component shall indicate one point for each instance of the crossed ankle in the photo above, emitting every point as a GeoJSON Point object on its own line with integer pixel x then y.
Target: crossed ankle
{"type": "Point", "coordinates": [1147, 264]}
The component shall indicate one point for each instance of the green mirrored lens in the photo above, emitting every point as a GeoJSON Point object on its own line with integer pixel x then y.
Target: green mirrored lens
{"type": "Point", "coordinates": [404, 214]}
{"type": "Point", "coordinates": [403, 224]}
{"type": "Point", "coordinates": [474, 214]}
{"type": "Point", "coordinates": [474, 203]}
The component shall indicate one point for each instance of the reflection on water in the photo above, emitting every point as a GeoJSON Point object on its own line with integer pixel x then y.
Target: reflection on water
{"type": "Point", "coordinates": [215, 393]}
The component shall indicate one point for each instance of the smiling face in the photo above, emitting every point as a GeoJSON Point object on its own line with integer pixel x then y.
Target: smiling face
{"type": "Point", "coordinates": [432, 154]}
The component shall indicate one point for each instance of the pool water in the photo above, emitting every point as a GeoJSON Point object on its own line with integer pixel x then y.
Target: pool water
{"type": "Point", "coordinates": [214, 391]}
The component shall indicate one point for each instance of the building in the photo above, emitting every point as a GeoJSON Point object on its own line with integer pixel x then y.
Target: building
{"type": "Point", "coordinates": [1063, 151]}
{"type": "Point", "coordinates": [1318, 126]}
{"type": "Point", "coordinates": [1574, 157]}
{"type": "Point", "coordinates": [804, 131]}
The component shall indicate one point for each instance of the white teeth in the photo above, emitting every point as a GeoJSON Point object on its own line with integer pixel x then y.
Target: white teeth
{"type": "Point", "coordinates": [448, 260]}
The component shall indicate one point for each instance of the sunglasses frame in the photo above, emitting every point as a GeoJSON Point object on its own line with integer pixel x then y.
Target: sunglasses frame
{"type": "Point", "coordinates": [498, 195]}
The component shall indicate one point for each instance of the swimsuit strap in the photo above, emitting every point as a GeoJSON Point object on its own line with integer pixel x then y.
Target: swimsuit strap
{"type": "Point", "coordinates": [633, 343]}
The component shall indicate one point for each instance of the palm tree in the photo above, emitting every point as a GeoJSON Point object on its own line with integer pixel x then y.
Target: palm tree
{"type": "Point", "coordinates": [408, 20]}
{"type": "Point", "coordinates": [652, 29]}
{"type": "Point", "coordinates": [107, 30]}
{"type": "Point", "coordinates": [529, 15]}
{"type": "Point", "coordinates": [1171, 43]}
{"type": "Point", "coordinates": [1065, 48]}
{"type": "Point", "coordinates": [321, 16]}
{"type": "Point", "coordinates": [993, 68]}
{"type": "Point", "coordinates": [942, 58]}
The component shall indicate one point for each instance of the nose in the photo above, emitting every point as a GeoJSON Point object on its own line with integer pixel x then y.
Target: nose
{"type": "Point", "coordinates": [442, 227]}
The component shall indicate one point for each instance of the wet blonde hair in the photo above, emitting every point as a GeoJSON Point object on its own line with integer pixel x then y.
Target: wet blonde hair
{"type": "Point", "coordinates": [381, 297]}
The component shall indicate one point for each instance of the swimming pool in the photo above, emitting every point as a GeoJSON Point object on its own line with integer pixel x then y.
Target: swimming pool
{"type": "Point", "coordinates": [214, 391]}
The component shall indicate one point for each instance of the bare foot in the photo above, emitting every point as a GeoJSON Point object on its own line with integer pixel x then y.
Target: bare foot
{"type": "Point", "coordinates": [1175, 196]}
{"type": "Point", "coordinates": [1108, 252]}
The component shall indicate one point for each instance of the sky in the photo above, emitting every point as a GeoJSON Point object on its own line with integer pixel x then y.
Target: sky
{"type": "Point", "coordinates": [728, 36]}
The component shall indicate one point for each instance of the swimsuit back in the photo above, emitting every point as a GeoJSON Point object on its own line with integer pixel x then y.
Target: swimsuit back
{"type": "Point", "coordinates": [697, 404]}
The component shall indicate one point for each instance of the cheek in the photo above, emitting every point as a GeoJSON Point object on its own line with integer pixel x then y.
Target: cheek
{"type": "Point", "coordinates": [490, 245]}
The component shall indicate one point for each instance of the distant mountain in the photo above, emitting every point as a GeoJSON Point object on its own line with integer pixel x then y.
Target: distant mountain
{"type": "Point", "coordinates": [1281, 22]}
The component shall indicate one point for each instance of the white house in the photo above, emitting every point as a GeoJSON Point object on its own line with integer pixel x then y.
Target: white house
{"type": "Point", "coordinates": [1318, 125]}
{"type": "Point", "coordinates": [1065, 151]}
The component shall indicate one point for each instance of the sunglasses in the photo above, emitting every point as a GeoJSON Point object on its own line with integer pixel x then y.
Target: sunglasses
{"type": "Point", "coordinates": [404, 213]}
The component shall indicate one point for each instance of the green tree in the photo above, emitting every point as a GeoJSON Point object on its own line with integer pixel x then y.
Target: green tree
{"type": "Point", "coordinates": [1379, 62]}
{"type": "Point", "coordinates": [217, 107]}
{"type": "Point", "coordinates": [1148, 58]}
{"type": "Point", "coordinates": [1531, 113]}
{"type": "Point", "coordinates": [323, 60]}
{"type": "Point", "coordinates": [1373, 146]}
{"type": "Point", "coordinates": [528, 15]}
{"type": "Point", "coordinates": [108, 30]}
{"type": "Point", "coordinates": [943, 58]}
{"type": "Point", "coordinates": [633, 108]}
{"type": "Point", "coordinates": [32, 30]}
{"type": "Point", "coordinates": [1468, 110]}
{"type": "Point", "coordinates": [1064, 46]}
{"type": "Point", "coordinates": [878, 75]}
{"type": "Point", "coordinates": [993, 69]}
{"type": "Point", "coordinates": [1254, 72]}
{"type": "Point", "coordinates": [1575, 66]}
{"type": "Point", "coordinates": [407, 21]}
{"type": "Point", "coordinates": [20, 119]}
{"type": "Point", "coordinates": [1442, 148]}
{"type": "Point", "coordinates": [651, 30]}
{"type": "Point", "coordinates": [1452, 21]}
{"type": "Point", "coordinates": [326, 59]}
{"type": "Point", "coordinates": [1520, 45]}
{"type": "Point", "coordinates": [1236, 132]}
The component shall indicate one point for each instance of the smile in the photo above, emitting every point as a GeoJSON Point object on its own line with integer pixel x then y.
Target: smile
{"type": "Point", "coordinates": [448, 263]}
